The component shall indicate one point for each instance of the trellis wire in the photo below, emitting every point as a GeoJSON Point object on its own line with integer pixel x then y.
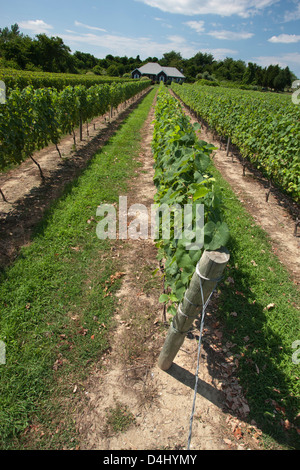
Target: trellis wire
{"type": "Point", "coordinates": [199, 349]}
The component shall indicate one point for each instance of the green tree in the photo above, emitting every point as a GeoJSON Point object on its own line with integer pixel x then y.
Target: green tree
{"type": "Point", "coordinates": [52, 54]}
{"type": "Point", "coordinates": [7, 34]}
{"type": "Point", "coordinates": [288, 77]}
{"type": "Point", "coordinates": [17, 49]}
{"type": "Point", "coordinates": [172, 59]}
{"type": "Point", "coordinates": [85, 60]}
{"type": "Point", "coordinates": [201, 62]}
{"type": "Point", "coordinates": [271, 72]}
{"type": "Point", "coordinates": [112, 71]}
{"type": "Point", "coordinates": [249, 75]}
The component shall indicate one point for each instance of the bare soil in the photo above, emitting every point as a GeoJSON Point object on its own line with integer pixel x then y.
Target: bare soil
{"type": "Point", "coordinates": [160, 402]}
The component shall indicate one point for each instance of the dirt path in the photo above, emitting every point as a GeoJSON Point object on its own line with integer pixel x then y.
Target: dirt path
{"type": "Point", "coordinates": [161, 402]}
{"type": "Point", "coordinates": [129, 379]}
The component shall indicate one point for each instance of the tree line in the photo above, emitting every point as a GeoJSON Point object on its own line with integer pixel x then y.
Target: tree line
{"type": "Point", "coordinates": [50, 54]}
{"type": "Point", "coordinates": [204, 66]}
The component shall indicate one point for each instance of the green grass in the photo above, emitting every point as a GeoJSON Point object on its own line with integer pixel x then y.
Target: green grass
{"type": "Point", "coordinates": [263, 336]}
{"type": "Point", "coordinates": [54, 315]}
{"type": "Point", "coordinates": [119, 419]}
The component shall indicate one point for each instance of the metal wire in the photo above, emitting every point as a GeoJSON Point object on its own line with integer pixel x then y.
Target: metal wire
{"type": "Point", "coordinates": [199, 348]}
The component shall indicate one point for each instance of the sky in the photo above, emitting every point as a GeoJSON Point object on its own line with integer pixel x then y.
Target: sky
{"type": "Point", "coordinates": [261, 31]}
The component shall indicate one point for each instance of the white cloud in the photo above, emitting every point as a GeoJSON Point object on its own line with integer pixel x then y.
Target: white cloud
{"type": "Point", "coordinates": [230, 35]}
{"type": "Point", "coordinates": [94, 28]}
{"type": "Point", "coordinates": [164, 25]}
{"type": "Point", "coordinates": [292, 15]}
{"type": "Point", "coordinates": [35, 26]}
{"type": "Point", "coordinates": [285, 38]}
{"type": "Point", "coordinates": [220, 53]}
{"type": "Point", "coordinates": [291, 60]}
{"type": "Point", "coordinates": [198, 26]}
{"type": "Point", "coordinates": [131, 46]}
{"type": "Point", "coordinates": [243, 8]}
{"type": "Point", "coordinates": [176, 39]}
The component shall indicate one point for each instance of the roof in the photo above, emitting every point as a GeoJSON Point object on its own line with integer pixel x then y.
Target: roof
{"type": "Point", "coordinates": [173, 72]}
{"type": "Point", "coordinates": [153, 68]}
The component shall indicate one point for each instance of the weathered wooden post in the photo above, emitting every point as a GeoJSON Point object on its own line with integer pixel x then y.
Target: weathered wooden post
{"type": "Point", "coordinates": [208, 272]}
{"type": "Point", "coordinates": [80, 128]}
{"type": "Point", "coordinates": [228, 146]}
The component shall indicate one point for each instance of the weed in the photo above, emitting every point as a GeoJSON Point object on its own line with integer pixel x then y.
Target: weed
{"type": "Point", "coordinates": [119, 419]}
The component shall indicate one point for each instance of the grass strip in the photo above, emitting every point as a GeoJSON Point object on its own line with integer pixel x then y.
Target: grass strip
{"type": "Point", "coordinates": [260, 306]}
{"type": "Point", "coordinates": [56, 305]}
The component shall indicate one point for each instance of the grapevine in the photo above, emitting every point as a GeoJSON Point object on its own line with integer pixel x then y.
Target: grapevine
{"type": "Point", "coordinates": [264, 127]}
{"type": "Point", "coordinates": [32, 118]}
{"type": "Point", "coordinates": [182, 177]}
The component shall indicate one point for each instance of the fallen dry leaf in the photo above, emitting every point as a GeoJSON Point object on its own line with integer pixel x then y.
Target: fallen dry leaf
{"type": "Point", "coordinates": [83, 331]}
{"type": "Point", "coordinates": [286, 424]}
{"type": "Point", "coordinates": [270, 306]}
{"type": "Point", "coordinates": [218, 334]}
{"type": "Point", "coordinates": [238, 433]}
{"type": "Point", "coordinates": [228, 442]}
{"type": "Point", "coordinates": [57, 364]}
{"type": "Point", "coordinates": [239, 293]}
{"type": "Point", "coordinates": [113, 277]}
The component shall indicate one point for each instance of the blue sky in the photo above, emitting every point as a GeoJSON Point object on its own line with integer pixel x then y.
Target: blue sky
{"type": "Point", "coordinates": [261, 31]}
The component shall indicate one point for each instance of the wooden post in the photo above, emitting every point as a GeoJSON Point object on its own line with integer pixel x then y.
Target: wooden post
{"type": "Point", "coordinates": [80, 128]}
{"type": "Point", "coordinates": [228, 146]}
{"type": "Point", "coordinates": [3, 196]}
{"type": "Point", "coordinates": [269, 191]}
{"type": "Point", "coordinates": [208, 271]}
{"type": "Point", "coordinates": [297, 223]}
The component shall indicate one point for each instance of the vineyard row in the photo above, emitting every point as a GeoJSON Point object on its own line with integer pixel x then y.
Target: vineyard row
{"type": "Point", "coordinates": [264, 127]}
{"type": "Point", "coordinates": [181, 163]}
{"type": "Point", "coordinates": [32, 118]}
{"type": "Point", "coordinates": [23, 78]}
